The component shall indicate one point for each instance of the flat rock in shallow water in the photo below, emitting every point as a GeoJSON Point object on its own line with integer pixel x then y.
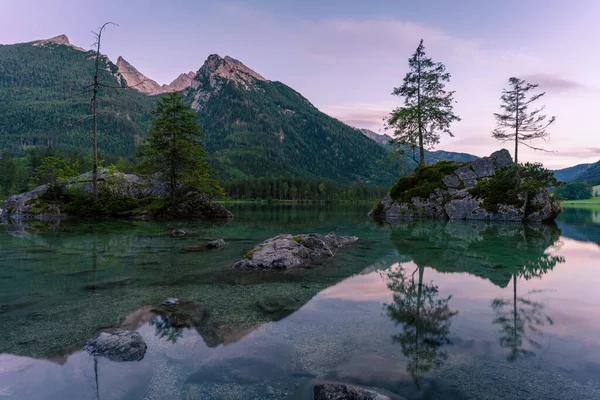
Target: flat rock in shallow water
{"type": "Point", "coordinates": [340, 391]}
{"type": "Point", "coordinates": [288, 251]}
{"type": "Point", "coordinates": [117, 346]}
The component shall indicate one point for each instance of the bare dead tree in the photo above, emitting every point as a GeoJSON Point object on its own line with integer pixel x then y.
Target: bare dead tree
{"type": "Point", "coordinates": [95, 86]}
{"type": "Point", "coordinates": [516, 121]}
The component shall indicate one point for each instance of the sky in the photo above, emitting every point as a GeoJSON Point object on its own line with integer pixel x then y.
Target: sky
{"type": "Point", "coordinates": [347, 56]}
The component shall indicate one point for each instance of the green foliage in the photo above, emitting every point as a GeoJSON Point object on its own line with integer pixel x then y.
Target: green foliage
{"type": "Point", "coordinates": [77, 203]}
{"type": "Point", "coordinates": [301, 190]}
{"type": "Point", "coordinates": [428, 107]}
{"type": "Point", "coordinates": [576, 191]}
{"type": "Point", "coordinates": [512, 185]}
{"type": "Point", "coordinates": [423, 181]}
{"type": "Point", "coordinates": [55, 171]}
{"type": "Point", "coordinates": [174, 151]}
{"type": "Point", "coordinates": [378, 209]}
{"type": "Point", "coordinates": [297, 239]}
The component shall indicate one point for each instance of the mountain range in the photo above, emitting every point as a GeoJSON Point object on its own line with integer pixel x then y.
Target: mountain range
{"type": "Point", "coordinates": [253, 127]}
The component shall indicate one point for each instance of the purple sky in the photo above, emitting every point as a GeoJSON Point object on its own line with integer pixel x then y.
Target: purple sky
{"type": "Point", "coordinates": [347, 56]}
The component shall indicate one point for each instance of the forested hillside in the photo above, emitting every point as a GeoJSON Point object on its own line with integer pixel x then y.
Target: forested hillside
{"type": "Point", "coordinates": [45, 100]}
{"type": "Point", "coordinates": [266, 128]}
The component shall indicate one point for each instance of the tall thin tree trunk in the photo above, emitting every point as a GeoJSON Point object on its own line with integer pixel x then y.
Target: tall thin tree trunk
{"type": "Point", "coordinates": [421, 144]}
{"type": "Point", "coordinates": [96, 85]}
{"type": "Point", "coordinates": [418, 325]}
{"type": "Point", "coordinates": [95, 123]}
{"type": "Point", "coordinates": [515, 314]}
{"type": "Point", "coordinates": [517, 129]}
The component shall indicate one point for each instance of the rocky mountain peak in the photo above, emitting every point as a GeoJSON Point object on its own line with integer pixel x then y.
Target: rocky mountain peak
{"type": "Point", "coordinates": [215, 71]}
{"type": "Point", "coordinates": [60, 39]}
{"type": "Point", "coordinates": [182, 82]}
{"type": "Point", "coordinates": [230, 69]}
{"type": "Point", "coordinates": [136, 79]}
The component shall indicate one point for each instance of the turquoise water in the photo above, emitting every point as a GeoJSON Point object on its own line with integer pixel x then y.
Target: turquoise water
{"type": "Point", "coordinates": [422, 310]}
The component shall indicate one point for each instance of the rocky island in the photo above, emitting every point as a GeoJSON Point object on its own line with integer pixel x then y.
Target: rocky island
{"type": "Point", "coordinates": [491, 188]}
{"type": "Point", "coordinates": [121, 196]}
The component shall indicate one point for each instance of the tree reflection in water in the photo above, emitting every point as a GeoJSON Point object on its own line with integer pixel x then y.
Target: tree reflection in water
{"type": "Point", "coordinates": [425, 319]}
{"type": "Point", "coordinates": [167, 328]}
{"type": "Point", "coordinates": [498, 252]}
{"type": "Point", "coordinates": [522, 318]}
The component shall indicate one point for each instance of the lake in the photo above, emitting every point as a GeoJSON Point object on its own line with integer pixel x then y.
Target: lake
{"type": "Point", "coordinates": [421, 310]}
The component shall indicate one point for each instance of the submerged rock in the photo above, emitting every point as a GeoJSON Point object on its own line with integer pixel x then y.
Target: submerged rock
{"type": "Point", "coordinates": [117, 346]}
{"type": "Point", "coordinates": [450, 190]}
{"type": "Point", "coordinates": [170, 301]}
{"type": "Point", "coordinates": [340, 391]}
{"type": "Point", "coordinates": [279, 306]}
{"type": "Point", "coordinates": [215, 244]}
{"type": "Point", "coordinates": [288, 251]}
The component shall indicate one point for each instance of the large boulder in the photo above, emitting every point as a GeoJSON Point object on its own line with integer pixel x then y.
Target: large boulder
{"type": "Point", "coordinates": [42, 203]}
{"type": "Point", "coordinates": [289, 251]}
{"type": "Point", "coordinates": [117, 346]}
{"type": "Point", "coordinates": [451, 193]}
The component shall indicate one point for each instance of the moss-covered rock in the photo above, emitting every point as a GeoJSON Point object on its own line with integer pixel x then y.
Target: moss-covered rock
{"type": "Point", "coordinates": [490, 188]}
{"type": "Point", "coordinates": [120, 195]}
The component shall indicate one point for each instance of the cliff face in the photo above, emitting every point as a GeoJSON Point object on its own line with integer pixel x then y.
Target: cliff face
{"type": "Point", "coordinates": [138, 81]}
{"type": "Point", "coordinates": [135, 79]}
{"type": "Point", "coordinates": [448, 190]}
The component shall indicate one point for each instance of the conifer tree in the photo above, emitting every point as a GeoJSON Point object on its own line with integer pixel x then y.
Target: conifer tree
{"type": "Point", "coordinates": [174, 152]}
{"type": "Point", "coordinates": [516, 122]}
{"type": "Point", "coordinates": [428, 107]}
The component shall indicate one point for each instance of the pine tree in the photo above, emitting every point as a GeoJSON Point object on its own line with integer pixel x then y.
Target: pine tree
{"type": "Point", "coordinates": [428, 107]}
{"type": "Point", "coordinates": [516, 121]}
{"type": "Point", "coordinates": [174, 152]}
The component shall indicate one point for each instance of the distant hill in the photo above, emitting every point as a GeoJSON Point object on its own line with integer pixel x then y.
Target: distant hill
{"type": "Point", "coordinates": [254, 127]}
{"type": "Point", "coordinates": [569, 174]}
{"type": "Point", "coordinates": [431, 157]}
{"type": "Point", "coordinates": [590, 175]}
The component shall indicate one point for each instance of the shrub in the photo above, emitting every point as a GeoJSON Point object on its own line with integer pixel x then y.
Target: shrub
{"type": "Point", "coordinates": [424, 180]}
{"type": "Point", "coordinates": [513, 185]}
{"type": "Point", "coordinates": [378, 209]}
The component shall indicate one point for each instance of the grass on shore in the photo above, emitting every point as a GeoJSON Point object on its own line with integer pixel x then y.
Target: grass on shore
{"type": "Point", "coordinates": [594, 202]}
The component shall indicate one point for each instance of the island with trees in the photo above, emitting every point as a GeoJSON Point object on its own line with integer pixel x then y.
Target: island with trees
{"type": "Point", "coordinates": [492, 188]}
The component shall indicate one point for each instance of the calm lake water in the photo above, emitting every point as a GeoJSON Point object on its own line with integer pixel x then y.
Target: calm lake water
{"type": "Point", "coordinates": [422, 310]}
